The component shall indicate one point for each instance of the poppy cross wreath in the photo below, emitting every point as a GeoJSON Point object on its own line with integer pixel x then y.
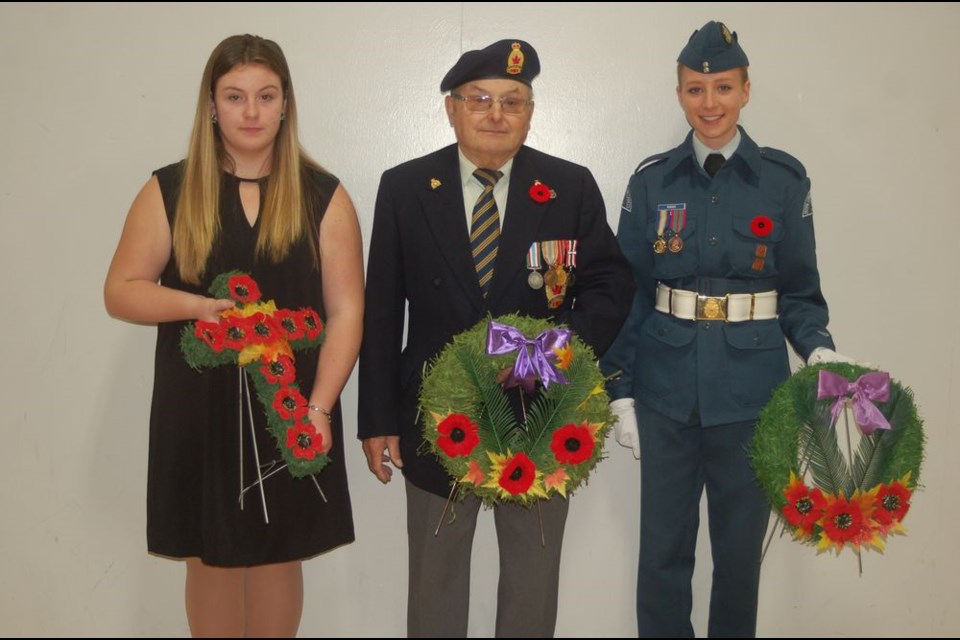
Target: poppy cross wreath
{"type": "Point", "coordinates": [260, 338]}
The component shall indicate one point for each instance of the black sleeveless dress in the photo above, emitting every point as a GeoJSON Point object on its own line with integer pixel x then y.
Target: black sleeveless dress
{"type": "Point", "coordinates": [194, 475]}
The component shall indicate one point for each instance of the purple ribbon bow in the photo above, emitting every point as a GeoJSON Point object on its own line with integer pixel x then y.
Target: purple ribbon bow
{"type": "Point", "coordinates": [502, 338]}
{"type": "Point", "coordinates": [868, 388]}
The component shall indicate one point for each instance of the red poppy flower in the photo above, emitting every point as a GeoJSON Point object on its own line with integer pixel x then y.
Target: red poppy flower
{"type": "Point", "coordinates": [804, 507]}
{"type": "Point", "coordinates": [289, 404]}
{"type": "Point", "coordinates": [210, 332]}
{"type": "Point", "coordinates": [572, 444]}
{"type": "Point", "coordinates": [540, 192]}
{"type": "Point", "coordinates": [243, 289]}
{"type": "Point", "coordinates": [288, 325]}
{"type": "Point", "coordinates": [279, 371]}
{"type": "Point", "coordinates": [762, 226]}
{"type": "Point", "coordinates": [262, 328]}
{"type": "Point", "coordinates": [518, 474]}
{"type": "Point", "coordinates": [236, 332]}
{"type": "Point", "coordinates": [458, 435]}
{"type": "Point", "coordinates": [304, 441]}
{"type": "Point", "coordinates": [893, 502]}
{"type": "Point", "coordinates": [843, 521]}
{"type": "Point", "coordinates": [311, 323]}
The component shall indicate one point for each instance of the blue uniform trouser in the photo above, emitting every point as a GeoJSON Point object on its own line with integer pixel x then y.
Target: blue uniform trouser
{"type": "Point", "coordinates": [678, 461]}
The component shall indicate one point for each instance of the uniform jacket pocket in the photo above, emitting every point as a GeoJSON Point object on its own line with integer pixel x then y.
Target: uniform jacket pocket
{"type": "Point", "coordinates": [757, 360]}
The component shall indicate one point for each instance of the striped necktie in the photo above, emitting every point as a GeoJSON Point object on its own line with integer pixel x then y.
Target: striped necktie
{"type": "Point", "coordinates": [485, 228]}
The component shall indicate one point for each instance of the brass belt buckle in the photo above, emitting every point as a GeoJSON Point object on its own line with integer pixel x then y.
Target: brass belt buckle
{"type": "Point", "coordinates": [712, 308]}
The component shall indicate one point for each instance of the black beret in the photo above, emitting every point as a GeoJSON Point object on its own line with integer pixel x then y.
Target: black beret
{"type": "Point", "coordinates": [511, 59]}
{"type": "Point", "coordinates": [713, 49]}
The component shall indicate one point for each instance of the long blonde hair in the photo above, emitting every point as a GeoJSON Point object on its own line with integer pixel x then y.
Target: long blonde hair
{"type": "Point", "coordinates": [285, 217]}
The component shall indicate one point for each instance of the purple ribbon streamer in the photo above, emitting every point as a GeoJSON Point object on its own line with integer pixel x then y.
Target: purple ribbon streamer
{"type": "Point", "coordinates": [502, 338]}
{"type": "Point", "coordinates": [867, 389]}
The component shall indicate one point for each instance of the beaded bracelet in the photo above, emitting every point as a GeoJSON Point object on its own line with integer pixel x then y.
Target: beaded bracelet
{"type": "Point", "coordinates": [316, 407]}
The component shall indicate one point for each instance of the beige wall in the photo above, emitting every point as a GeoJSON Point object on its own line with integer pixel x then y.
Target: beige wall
{"type": "Point", "coordinates": [96, 96]}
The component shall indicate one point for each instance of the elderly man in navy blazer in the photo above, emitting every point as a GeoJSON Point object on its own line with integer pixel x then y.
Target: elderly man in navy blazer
{"type": "Point", "coordinates": [482, 227]}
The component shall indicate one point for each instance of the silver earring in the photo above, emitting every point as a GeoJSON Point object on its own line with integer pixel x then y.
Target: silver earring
{"type": "Point", "coordinates": [213, 118]}
{"type": "Point", "coordinates": [283, 116]}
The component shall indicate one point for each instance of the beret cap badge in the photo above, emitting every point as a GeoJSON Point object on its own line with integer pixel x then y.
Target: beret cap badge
{"type": "Point", "coordinates": [515, 59]}
{"type": "Point", "coordinates": [725, 32]}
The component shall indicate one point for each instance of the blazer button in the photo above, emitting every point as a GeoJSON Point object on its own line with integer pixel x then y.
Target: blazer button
{"type": "Point", "coordinates": [437, 282]}
{"type": "Point", "coordinates": [714, 199]}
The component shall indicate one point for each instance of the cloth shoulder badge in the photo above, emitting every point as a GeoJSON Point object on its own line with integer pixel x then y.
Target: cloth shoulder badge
{"type": "Point", "coordinates": [627, 201]}
{"type": "Point", "coordinates": [807, 207]}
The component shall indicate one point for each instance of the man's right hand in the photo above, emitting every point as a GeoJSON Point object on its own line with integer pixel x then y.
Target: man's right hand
{"type": "Point", "coordinates": [380, 450]}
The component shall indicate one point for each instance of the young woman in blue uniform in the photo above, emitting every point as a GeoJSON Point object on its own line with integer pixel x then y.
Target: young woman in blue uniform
{"type": "Point", "coordinates": [719, 232]}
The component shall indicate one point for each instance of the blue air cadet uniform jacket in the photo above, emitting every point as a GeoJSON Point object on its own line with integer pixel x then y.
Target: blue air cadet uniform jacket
{"type": "Point", "coordinates": [747, 230]}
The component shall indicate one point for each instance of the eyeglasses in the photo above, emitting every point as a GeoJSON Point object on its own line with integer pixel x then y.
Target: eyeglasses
{"type": "Point", "coordinates": [483, 103]}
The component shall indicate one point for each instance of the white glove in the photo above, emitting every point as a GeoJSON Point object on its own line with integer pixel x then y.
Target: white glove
{"type": "Point", "coordinates": [625, 428]}
{"type": "Point", "coordinates": [822, 354]}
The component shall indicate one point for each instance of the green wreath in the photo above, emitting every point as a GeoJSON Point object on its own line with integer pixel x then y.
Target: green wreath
{"type": "Point", "coordinates": [471, 426]}
{"type": "Point", "coordinates": [798, 453]}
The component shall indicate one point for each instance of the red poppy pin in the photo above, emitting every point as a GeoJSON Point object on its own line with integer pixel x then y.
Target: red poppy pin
{"type": "Point", "coordinates": [541, 192]}
{"type": "Point", "coordinates": [762, 226]}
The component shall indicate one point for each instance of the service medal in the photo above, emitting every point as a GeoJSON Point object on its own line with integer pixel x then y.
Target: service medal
{"type": "Point", "coordinates": [551, 253]}
{"type": "Point", "coordinates": [555, 295]}
{"type": "Point", "coordinates": [570, 263]}
{"type": "Point", "coordinates": [660, 244]}
{"type": "Point", "coordinates": [550, 278]}
{"type": "Point", "coordinates": [678, 220]}
{"type": "Point", "coordinates": [555, 302]}
{"type": "Point", "coordinates": [535, 280]}
{"type": "Point", "coordinates": [561, 276]}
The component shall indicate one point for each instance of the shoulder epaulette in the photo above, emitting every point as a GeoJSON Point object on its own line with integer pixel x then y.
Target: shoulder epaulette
{"type": "Point", "coordinates": [785, 159]}
{"type": "Point", "coordinates": [652, 160]}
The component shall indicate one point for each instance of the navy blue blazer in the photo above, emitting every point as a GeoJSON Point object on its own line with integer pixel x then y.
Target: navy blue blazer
{"type": "Point", "coordinates": [421, 281]}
